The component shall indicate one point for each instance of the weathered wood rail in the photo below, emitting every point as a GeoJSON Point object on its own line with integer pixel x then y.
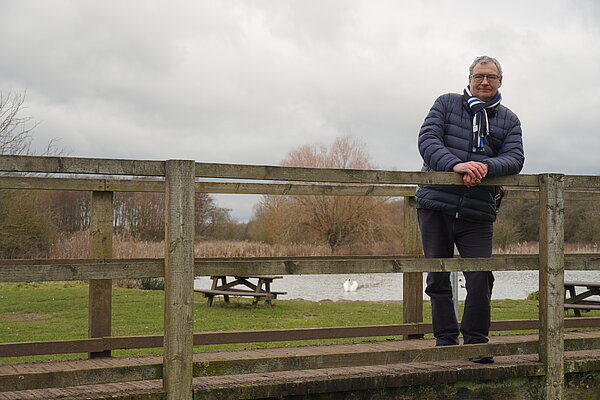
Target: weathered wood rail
{"type": "Point", "coordinates": [179, 179]}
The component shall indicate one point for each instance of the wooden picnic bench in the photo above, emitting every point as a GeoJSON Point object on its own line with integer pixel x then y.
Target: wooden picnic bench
{"type": "Point", "coordinates": [259, 291]}
{"type": "Point", "coordinates": [581, 301]}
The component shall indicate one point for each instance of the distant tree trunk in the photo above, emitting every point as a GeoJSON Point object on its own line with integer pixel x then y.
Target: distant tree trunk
{"type": "Point", "coordinates": [72, 210]}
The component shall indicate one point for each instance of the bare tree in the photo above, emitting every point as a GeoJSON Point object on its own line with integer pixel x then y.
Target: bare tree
{"type": "Point", "coordinates": [15, 129]}
{"type": "Point", "coordinates": [333, 220]}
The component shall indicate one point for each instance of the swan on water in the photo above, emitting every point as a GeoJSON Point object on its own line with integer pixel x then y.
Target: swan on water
{"type": "Point", "coordinates": [350, 285]}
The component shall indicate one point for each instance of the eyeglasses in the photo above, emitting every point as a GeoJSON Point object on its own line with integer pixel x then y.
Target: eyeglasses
{"type": "Point", "coordinates": [480, 77]}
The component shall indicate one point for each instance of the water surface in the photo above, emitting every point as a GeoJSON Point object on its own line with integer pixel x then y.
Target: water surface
{"type": "Point", "coordinates": [388, 287]}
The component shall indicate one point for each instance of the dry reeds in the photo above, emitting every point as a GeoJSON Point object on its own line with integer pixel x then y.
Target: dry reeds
{"type": "Point", "coordinates": [533, 248]}
{"type": "Point", "coordinates": [223, 248]}
{"type": "Point", "coordinates": [77, 245]}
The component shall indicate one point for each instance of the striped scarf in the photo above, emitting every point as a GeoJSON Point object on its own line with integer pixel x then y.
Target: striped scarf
{"type": "Point", "coordinates": [480, 117]}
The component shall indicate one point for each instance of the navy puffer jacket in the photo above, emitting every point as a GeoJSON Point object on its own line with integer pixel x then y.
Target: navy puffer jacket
{"type": "Point", "coordinates": [446, 139]}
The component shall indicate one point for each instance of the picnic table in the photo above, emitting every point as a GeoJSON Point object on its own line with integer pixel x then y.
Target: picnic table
{"type": "Point", "coordinates": [242, 286]}
{"type": "Point", "coordinates": [582, 301]}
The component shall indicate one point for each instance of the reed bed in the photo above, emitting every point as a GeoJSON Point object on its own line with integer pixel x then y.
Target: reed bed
{"type": "Point", "coordinates": [533, 248]}
{"type": "Point", "coordinates": [76, 246]}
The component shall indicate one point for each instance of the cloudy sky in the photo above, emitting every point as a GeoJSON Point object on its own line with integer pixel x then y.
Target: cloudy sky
{"type": "Point", "coordinates": [247, 81]}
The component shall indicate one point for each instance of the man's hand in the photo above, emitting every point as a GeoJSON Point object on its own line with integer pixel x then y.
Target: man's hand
{"type": "Point", "coordinates": [473, 172]}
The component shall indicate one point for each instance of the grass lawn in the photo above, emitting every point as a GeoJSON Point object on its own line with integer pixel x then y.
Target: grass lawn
{"type": "Point", "coordinates": [58, 311]}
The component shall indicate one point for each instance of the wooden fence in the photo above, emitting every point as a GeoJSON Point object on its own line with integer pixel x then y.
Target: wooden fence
{"type": "Point", "coordinates": [179, 179]}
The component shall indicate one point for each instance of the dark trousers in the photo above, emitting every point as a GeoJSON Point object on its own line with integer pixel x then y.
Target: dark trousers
{"type": "Point", "coordinates": [440, 233]}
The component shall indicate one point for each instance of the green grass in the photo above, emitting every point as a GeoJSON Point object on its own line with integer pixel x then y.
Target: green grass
{"type": "Point", "coordinates": [58, 311]}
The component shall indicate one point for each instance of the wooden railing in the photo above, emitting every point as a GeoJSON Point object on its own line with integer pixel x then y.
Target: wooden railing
{"type": "Point", "coordinates": [179, 180]}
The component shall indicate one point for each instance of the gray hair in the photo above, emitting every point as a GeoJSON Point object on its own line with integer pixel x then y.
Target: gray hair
{"type": "Point", "coordinates": [483, 60]}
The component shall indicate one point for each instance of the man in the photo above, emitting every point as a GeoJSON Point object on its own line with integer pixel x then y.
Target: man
{"type": "Point", "coordinates": [474, 135]}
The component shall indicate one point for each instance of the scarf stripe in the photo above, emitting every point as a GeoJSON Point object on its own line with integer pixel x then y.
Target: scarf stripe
{"type": "Point", "coordinates": [480, 117]}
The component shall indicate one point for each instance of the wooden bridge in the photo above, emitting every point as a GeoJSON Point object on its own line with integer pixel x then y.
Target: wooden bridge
{"type": "Point", "coordinates": [556, 363]}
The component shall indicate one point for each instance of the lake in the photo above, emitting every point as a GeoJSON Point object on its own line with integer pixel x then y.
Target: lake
{"type": "Point", "coordinates": [386, 287]}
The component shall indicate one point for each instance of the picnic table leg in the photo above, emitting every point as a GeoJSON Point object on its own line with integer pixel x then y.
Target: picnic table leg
{"type": "Point", "coordinates": [573, 293]}
{"type": "Point", "coordinates": [268, 290]}
{"type": "Point", "coordinates": [576, 310]}
{"type": "Point", "coordinates": [223, 283]}
{"type": "Point", "coordinates": [213, 286]}
{"type": "Point", "coordinates": [209, 300]}
{"type": "Point", "coordinates": [257, 290]}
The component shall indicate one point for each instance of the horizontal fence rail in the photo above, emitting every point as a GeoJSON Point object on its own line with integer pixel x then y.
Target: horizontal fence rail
{"type": "Point", "coordinates": [76, 165]}
{"type": "Point", "coordinates": [100, 166]}
{"type": "Point", "coordinates": [23, 349]}
{"type": "Point", "coordinates": [283, 189]}
{"type": "Point", "coordinates": [87, 269]}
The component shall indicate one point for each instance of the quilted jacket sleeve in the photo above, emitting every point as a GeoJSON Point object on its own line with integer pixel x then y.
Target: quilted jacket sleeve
{"type": "Point", "coordinates": [436, 155]}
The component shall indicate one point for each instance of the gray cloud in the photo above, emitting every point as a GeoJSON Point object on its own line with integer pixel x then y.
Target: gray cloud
{"type": "Point", "coordinates": [247, 81]}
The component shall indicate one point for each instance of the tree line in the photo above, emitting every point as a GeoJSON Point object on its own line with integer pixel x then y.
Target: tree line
{"type": "Point", "coordinates": [518, 221]}
{"type": "Point", "coordinates": [31, 221]}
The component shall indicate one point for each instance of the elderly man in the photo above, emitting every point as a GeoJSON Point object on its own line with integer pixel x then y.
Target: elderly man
{"type": "Point", "coordinates": [474, 135]}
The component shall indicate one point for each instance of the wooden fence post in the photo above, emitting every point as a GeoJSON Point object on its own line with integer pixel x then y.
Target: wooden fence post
{"type": "Point", "coordinates": [179, 279]}
{"type": "Point", "coordinates": [412, 282]}
{"type": "Point", "coordinates": [100, 290]}
{"type": "Point", "coordinates": [552, 283]}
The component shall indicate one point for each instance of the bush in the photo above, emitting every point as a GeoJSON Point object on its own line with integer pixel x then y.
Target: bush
{"type": "Point", "coordinates": [27, 228]}
{"type": "Point", "coordinates": [505, 233]}
{"type": "Point", "coordinates": [151, 283]}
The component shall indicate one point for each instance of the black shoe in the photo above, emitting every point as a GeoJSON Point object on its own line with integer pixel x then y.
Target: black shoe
{"type": "Point", "coordinates": [482, 360]}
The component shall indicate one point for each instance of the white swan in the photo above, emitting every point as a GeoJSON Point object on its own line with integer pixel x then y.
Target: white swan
{"type": "Point", "coordinates": [350, 285]}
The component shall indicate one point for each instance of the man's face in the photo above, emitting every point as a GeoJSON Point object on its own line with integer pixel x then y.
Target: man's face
{"type": "Point", "coordinates": [485, 81]}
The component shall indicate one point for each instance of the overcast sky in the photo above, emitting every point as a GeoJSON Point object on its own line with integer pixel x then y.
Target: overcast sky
{"type": "Point", "coordinates": [247, 81]}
